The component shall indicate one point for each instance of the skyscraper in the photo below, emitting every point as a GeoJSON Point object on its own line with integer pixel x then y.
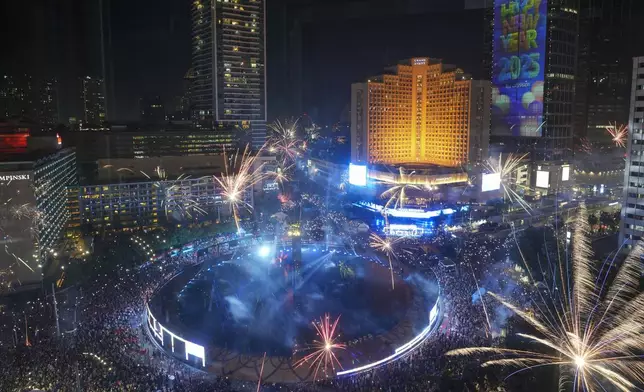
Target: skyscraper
{"type": "Point", "coordinates": [228, 57]}
{"type": "Point", "coordinates": [422, 111]}
{"type": "Point", "coordinates": [47, 105]}
{"type": "Point", "coordinates": [533, 79]}
{"type": "Point", "coordinates": [16, 96]}
{"type": "Point", "coordinates": [632, 222]}
{"type": "Point", "coordinates": [34, 98]}
{"type": "Point", "coordinates": [93, 100]}
{"type": "Point", "coordinates": [609, 37]}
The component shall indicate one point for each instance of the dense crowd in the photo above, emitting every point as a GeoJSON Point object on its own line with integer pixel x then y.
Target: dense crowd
{"type": "Point", "coordinates": [108, 350]}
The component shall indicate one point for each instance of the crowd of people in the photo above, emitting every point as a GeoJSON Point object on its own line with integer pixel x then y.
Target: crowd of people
{"type": "Point", "coordinates": [106, 347]}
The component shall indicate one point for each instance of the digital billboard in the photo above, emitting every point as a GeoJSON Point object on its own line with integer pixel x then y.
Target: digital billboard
{"type": "Point", "coordinates": [519, 64]}
{"type": "Point", "coordinates": [357, 175]}
{"type": "Point", "coordinates": [543, 179]}
{"type": "Point", "coordinates": [565, 173]}
{"type": "Point", "coordinates": [491, 182]}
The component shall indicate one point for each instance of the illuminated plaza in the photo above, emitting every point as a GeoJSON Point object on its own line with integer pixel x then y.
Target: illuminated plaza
{"type": "Point", "coordinates": [263, 299]}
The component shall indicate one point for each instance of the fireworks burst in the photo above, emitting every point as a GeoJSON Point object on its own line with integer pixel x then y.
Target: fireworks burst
{"type": "Point", "coordinates": [592, 327]}
{"type": "Point", "coordinates": [385, 245]}
{"type": "Point", "coordinates": [398, 188]}
{"type": "Point", "coordinates": [284, 141]}
{"type": "Point", "coordinates": [323, 355]}
{"type": "Point", "coordinates": [618, 133]}
{"type": "Point", "coordinates": [281, 174]}
{"type": "Point", "coordinates": [507, 173]}
{"type": "Point", "coordinates": [241, 174]}
{"type": "Point", "coordinates": [173, 196]}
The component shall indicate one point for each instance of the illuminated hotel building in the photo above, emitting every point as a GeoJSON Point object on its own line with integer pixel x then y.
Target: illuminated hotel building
{"type": "Point", "coordinates": [421, 112]}
{"type": "Point", "coordinates": [228, 58]}
{"type": "Point", "coordinates": [33, 190]}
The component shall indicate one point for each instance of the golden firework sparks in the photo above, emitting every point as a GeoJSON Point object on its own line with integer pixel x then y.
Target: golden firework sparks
{"type": "Point", "coordinates": [241, 174]}
{"type": "Point", "coordinates": [385, 245]}
{"type": "Point", "coordinates": [506, 171]}
{"type": "Point", "coordinates": [592, 325]}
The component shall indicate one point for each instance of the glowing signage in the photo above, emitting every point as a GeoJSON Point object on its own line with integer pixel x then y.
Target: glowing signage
{"type": "Point", "coordinates": [398, 230]}
{"type": "Point", "coordinates": [565, 173]}
{"type": "Point", "coordinates": [407, 212]}
{"type": "Point", "coordinates": [14, 177]}
{"type": "Point", "coordinates": [357, 175]}
{"type": "Point", "coordinates": [491, 182]}
{"type": "Point", "coordinates": [543, 179]}
{"type": "Point", "coordinates": [519, 63]}
{"type": "Point", "coordinates": [159, 331]}
{"type": "Point", "coordinates": [271, 186]}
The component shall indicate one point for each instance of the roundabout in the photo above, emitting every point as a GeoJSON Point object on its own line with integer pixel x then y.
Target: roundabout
{"type": "Point", "coordinates": [257, 313]}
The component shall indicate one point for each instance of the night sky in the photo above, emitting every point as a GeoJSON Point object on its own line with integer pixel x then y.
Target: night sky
{"type": "Point", "coordinates": [342, 42]}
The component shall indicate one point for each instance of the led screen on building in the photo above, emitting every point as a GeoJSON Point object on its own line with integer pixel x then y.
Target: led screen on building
{"type": "Point", "coordinates": [519, 65]}
{"type": "Point", "coordinates": [543, 179]}
{"type": "Point", "coordinates": [565, 173]}
{"type": "Point", "coordinates": [357, 175]}
{"type": "Point", "coordinates": [491, 182]}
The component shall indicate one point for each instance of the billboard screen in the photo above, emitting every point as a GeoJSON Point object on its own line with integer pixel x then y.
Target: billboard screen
{"type": "Point", "coordinates": [357, 175]}
{"type": "Point", "coordinates": [543, 179]}
{"type": "Point", "coordinates": [519, 64]}
{"type": "Point", "coordinates": [565, 173]}
{"type": "Point", "coordinates": [491, 182]}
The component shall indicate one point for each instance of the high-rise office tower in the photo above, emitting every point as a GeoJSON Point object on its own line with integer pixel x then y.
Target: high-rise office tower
{"type": "Point", "coordinates": [93, 100]}
{"type": "Point", "coordinates": [423, 112]}
{"type": "Point", "coordinates": [632, 222]}
{"type": "Point", "coordinates": [533, 79]}
{"type": "Point", "coordinates": [609, 38]}
{"type": "Point", "coordinates": [47, 105]}
{"type": "Point", "coordinates": [228, 57]}
{"type": "Point", "coordinates": [16, 95]}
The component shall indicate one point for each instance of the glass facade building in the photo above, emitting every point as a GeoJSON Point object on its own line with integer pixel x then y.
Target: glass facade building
{"type": "Point", "coordinates": [34, 209]}
{"type": "Point", "coordinates": [93, 97]}
{"type": "Point", "coordinates": [228, 61]}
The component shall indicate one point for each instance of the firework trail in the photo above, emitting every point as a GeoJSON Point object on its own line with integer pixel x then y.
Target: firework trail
{"type": "Point", "coordinates": [396, 193]}
{"type": "Point", "coordinates": [261, 373]}
{"type": "Point", "coordinates": [619, 133]}
{"type": "Point", "coordinates": [506, 171]}
{"type": "Point", "coordinates": [593, 325]}
{"type": "Point", "coordinates": [323, 355]}
{"type": "Point", "coordinates": [387, 246]}
{"type": "Point", "coordinates": [240, 175]}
